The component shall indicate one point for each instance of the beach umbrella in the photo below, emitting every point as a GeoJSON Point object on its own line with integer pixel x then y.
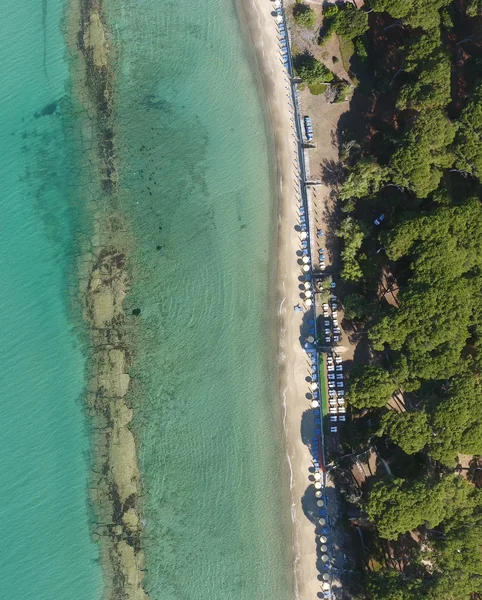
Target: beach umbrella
{"type": "Point", "coordinates": [307, 285]}
{"type": "Point", "coordinates": [315, 404]}
{"type": "Point", "coordinates": [322, 521]}
{"type": "Point", "coordinates": [308, 302]}
{"type": "Point", "coordinates": [325, 558]}
{"type": "Point", "coordinates": [306, 268]}
{"type": "Point", "coordinates": [317, 476]}
{"type": "Point", "coordinates": [326, 586]}
{"type": "Point", "coordinates": [323, 539]}
{"type": "Point", "coordinates": [313, 385]}
{"type": "Point", "coordinates": [326, 577]}
{"type": "Point", "coordinates": [323, 548]}
{"type": "Point", "coordinates": [310, 339]}
{"type": "Point", "coordinates": [308, 293]}
{"type": "Point", "coordinates": [318, 494]}
{"type": "Point", "coordinates": [320, 503]}
{"type": "Point", "coordinates": [279, 18]}
{"type": "Point", "coordinates": [304, 235]}
{"type": "Point", "coordinates": [318, 485]}
{"type": "Point", "coordinates": [306, 259]}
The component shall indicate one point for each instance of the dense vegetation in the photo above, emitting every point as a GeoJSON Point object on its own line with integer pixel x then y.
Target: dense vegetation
{"type": "Point", "coordinates": [411, 149]}
{"type": "Point", "coordinates": [348, 22]}
{"type": "Point", "coordinates": [304, 15]}
{"type": "Point", "coordinates": [311, 70]}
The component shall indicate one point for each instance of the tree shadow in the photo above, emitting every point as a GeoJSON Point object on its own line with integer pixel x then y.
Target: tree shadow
{"type": "Point", "coordinates": [363, 353]}
{"type": "Point", "coordinates": [307, 330]}
{"type": "Point", "coordinates": [308, 503]}
{"type": "Point", "coordinates": [304, 59]}
{"type": "Point", "coordinates": [332, 217]}
{"type": "Point", "coordinates": [307, 428]}
{"type": "Point", "coordinates": [333, 173]}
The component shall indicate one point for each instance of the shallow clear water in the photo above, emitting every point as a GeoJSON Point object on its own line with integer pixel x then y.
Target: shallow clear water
{"type": "Point", "coordinates": [196, 184]}
{"type": "Point", "coordinates": [46, 548]}
{"type": "Point", "coordinates": [195, 168]}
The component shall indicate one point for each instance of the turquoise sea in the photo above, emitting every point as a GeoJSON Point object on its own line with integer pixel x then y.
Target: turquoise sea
{"type": "Point", "coordinates": [197, 186]}
{"type": "Point", "coordinates": [46, 549]}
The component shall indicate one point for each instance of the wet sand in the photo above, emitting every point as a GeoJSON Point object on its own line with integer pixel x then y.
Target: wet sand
{"type": "Point", "coordinates": [293, 359]}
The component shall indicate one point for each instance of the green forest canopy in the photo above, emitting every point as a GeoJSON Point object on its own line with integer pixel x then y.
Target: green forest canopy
{"type": "Point", "coordinates": [419, 161]}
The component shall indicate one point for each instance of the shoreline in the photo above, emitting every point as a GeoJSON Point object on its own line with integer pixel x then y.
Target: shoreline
{"type": "Point", "coordinates": [293, 361]}
{"type": "Point", "coordinates": [104, 278]}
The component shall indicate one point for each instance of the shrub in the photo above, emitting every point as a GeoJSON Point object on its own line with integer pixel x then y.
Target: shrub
{"type": "Point", "coordinates": [304, 15]}
{"type": "Point", "coordinates": [311, 70]}
{"type": "Point", "coordinates": [318, 88]}
{"type": "Point", "coordinates": [348, 22]}
{"type": "Point", "coordinates": [347, 50]}
{"type": "Point", "coordinates": [330, 11]}
{"type": "Point", "coordinates": [360, 49]}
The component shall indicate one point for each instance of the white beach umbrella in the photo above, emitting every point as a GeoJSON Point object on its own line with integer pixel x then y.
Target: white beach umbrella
{"type": "Point", "coordinates": [318, 485]}
{"type": "Point", "coordinates": [304, 235]}
{"type": "Point", "coordinates": [322, 521]}
{"type": "Point", "coordinates": [308, 293]}
{"type": "Point", "coordinates": [315, 404]}
{"type": "Point", "coordinates": [307, 285]}
{"type": "Point", "coordinates": [317, 476]}
{"type": "Point", "coordinates": [318, 494]}
{"type": "Point", "coordinates": [325, 558]}
{"type": "Point", "coordinates": [323, 539]}
{"type": "Point", "coordinates": [326, 577]}
{"type": "Point", "coordinates": [279, 18]}
{"type": "Point", "coordinates": [308, 302]}
{"type": "Point", "coordinates": [310, 339]}
{"type": "Point", "coordinates": [323, 548]}
{"type": "Point", "coordinates": [313, 385]}
{"type": "Point", "coordinates": [306, 259]}
{"type": "Point", "coordinates": [320, 503]}
{"type": "Point", "coordinates": [326, 586]}
{"type": "Point", "coordinates": [306, 268]}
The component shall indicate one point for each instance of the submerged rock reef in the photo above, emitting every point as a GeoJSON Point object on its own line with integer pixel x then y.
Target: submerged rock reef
{"type": "Point", "coordinates": [104, 283]}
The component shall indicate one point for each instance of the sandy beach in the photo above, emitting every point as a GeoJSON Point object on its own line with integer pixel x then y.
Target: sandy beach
{"type": "Point", "coordinates": [293, 359]}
